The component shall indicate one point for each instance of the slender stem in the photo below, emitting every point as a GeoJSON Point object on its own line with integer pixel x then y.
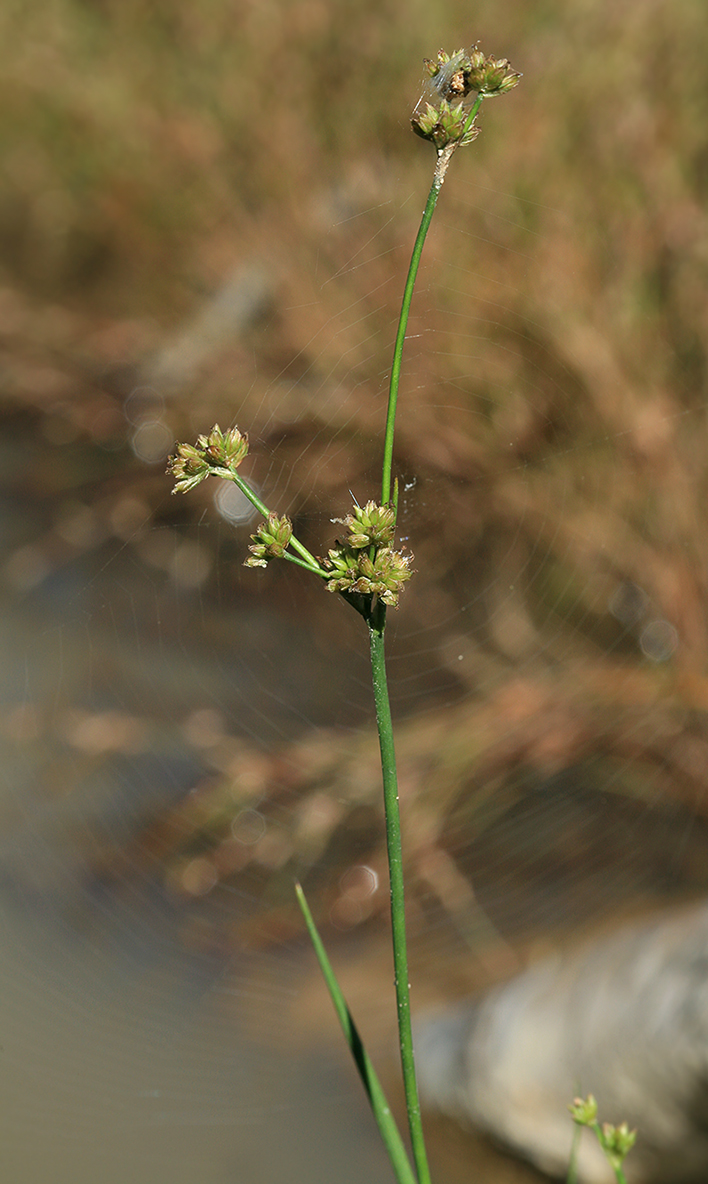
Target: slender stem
{"type": "Point", "coordinates": [572, 1177]}
{"type": "Point", "coordinates": [472, 115]}
{"type": "Point", "coordinates": [374, 1090]}
{"type": "Point", "coordinates": [398, 917]}
{"type": "Point", "coordinates": [444, 157]}
{"type": "Point", "coordinates": [400, 338]}
{"type": "Point", "coordinates": [377, 623]}
{"type": "Point", "coordinates": [317, 571]}
{"type": "Point", "coordinates": [310, 561]}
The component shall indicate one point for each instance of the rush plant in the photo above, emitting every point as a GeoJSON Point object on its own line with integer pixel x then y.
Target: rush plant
{"type": "Point", "coordinates": [369, 571]}
{"type": "Point", "coordinates": [616, 1142]}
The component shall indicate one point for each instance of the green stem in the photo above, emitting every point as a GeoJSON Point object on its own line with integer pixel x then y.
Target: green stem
{"type": "Point", "coordinates": [572, 1177]}
{"type": "Point", "coordinates": [310, 561]}
{"type": "Point", "coordinates": [400, 338]}
{"type": "Point", "coordinates": [395, 863]}
{"type": "Point", "coordinates": [444, 157]}
{"type": "Point", "coordinates": [316, 571]}
{"type": "Point", "coordinates": [377, 623]}
{"type": "Point", "coordinates": [472, 115]}
{"type": "Point", "coordinates": [374, 1090]}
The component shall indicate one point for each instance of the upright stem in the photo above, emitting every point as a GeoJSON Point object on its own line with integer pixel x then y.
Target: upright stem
{"type": "Point", "coordinates": [401, 336]}
{"type": "Point", "coordinates": [377, 624]}
{"type": "Point", "coordinates": [398, 916]}
{"type": "Point", "coordinates": [444, 158]}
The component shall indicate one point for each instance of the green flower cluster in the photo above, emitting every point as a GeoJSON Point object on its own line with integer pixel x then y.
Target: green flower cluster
{"type": "Point", "coordinates": [454, 77]}
{"type": "Point", "coordinates": [583, 1111]}
{"type": "Point", "coordinates": [444, 125]}
{"type": "Point", "coordinates": [355, 570]}
{"type": "Point", "coordinates": [270, 541]}
{"type": "Point", "coordinates": [219, 454]}
{"type": "Point", "coordinates": [616, 1141]}
{"type": "Point", "coordinates": [369, 526]}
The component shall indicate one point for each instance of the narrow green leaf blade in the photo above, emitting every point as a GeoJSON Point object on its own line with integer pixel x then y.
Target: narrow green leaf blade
{"type": "Point", "coordinates": [374, 1090]}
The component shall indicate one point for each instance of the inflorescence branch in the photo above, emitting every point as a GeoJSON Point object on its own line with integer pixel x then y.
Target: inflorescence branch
{"type": "Point", "coordinates": [365, 567]}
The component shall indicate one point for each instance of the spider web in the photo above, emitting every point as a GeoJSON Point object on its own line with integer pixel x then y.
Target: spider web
{"type": "Point", "coordinates": [181, 737]}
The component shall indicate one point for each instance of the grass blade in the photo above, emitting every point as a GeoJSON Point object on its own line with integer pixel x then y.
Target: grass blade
{"type": "Point", "coordinates": [374, 1090]}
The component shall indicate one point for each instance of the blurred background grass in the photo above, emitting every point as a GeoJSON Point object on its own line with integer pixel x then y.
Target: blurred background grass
{"type": "Point", "coordinates": [152, 155]}
{"type": "Point", "coordinates": [206, 213]}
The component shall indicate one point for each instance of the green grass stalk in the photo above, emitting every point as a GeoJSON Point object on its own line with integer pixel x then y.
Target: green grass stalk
{"type": "Point", "coordinates": [615, 1141]}
{"type": "Point", "coordinates": [398, 914]}
{"type": "Point", "coordinates": [444, 158]}
{"type": "Point", "coordinates": [572, 1177]}
{"type": "Point", "coordinates": [377, 625]}
{"type": "Point", "coordinates": [374, 1090]}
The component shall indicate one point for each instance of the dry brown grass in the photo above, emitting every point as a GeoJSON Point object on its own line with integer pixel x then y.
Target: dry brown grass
{"type": "Point", "coordinates": [554, 406]}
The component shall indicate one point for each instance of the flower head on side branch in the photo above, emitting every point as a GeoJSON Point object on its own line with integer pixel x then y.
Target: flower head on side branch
{"type": "Point", "coordinates": [219, 454]}
{"type": "Point", "coordinates": [270, 541]}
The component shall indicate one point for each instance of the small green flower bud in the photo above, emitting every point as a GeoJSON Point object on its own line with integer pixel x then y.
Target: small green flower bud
{"type": "Point", "coordinates": [498, 78]}
{"type": "Point", "coordinates": [444, 125]}
{"type": "Point", "coordinates": [354, 571]}
{"type": "Point", "coordinates": [270, 541]}
{"type": "Point", "coordinates": [219, 453]}
{"type": "Point", "coordinates": [617, 1142]}
{"type": "Point", "coordinates": [434, 68]}
{"type": "Point", "coordinates": [369, 526]}
{"type": "Point", "coordinates": [424, 123]}
{"type": "Point", "coordinates": [226, 449]}
{"type": "Point", "coordinates": [188, 467]}
{"type": "Point", "coordinates": [476, 63]}
{"type": "Point", "coordinates": [490, 76]}
{"type": "Point", "coordinates": [584, 1111]}
{"type": "Point", "coordinates": [344, 564]}
{"type": "Point", "coordinates": [391, 571]}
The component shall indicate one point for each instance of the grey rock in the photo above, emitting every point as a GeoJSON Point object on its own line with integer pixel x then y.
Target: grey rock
{"type": "Point", "coordinates": [624, 1017]}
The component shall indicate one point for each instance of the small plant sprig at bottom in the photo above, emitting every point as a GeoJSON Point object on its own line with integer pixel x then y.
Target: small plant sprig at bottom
{"type": "Point", "coordinates": [616, 1141]}
{"type": "Point", "coordinates": [368, 571]}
